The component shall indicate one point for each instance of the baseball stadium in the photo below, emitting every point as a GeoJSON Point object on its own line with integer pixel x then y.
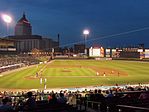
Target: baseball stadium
{"type": "Point", "coordinates": [83, 56]}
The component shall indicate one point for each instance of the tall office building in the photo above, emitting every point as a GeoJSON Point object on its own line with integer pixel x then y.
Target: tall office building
{"type": "Point", "coordinates": [23, 27]}
{"type": "Point", "coordinates": [26, 42]}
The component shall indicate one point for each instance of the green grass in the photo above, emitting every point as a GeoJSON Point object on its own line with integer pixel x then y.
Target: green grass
{"type": "Point", "coordinates": [68, 72]}
{"type": "Point", "coordinates": [58, 75]}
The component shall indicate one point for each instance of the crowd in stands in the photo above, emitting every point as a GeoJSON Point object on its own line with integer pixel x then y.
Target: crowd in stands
{"type": "Point", "coordinates": [104, 100]}
{"type": "Point", "coordinates": [9, 62]}
{"type": "Point", "coordinates": [30, 101]}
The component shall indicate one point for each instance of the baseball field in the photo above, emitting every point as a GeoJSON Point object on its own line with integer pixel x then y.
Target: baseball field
{"type": "Point", "coordinates": [76, 73]}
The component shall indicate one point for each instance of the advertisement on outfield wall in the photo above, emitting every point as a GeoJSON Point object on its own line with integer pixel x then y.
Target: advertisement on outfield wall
{"type": "Point", "coordinates": [108, 53]}
{"type": "Point", "coordinates": [102, 52]}
{"type": "Point", "coordinates": [142, 55]}
{"type": "Point", "coordinates": [95, 52]}
{"type": "Point", "coordinates": [146, 53]}
{"type": "Point", "coordinates": [114, 53]}
{"type": "Point", "coordinates": [7, 49]}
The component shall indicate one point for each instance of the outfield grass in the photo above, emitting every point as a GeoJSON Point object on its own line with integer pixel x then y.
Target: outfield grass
{"type": "Point", "coordinates": [76, 73]}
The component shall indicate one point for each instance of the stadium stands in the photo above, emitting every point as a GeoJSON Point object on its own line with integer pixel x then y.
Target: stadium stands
{"type": "Point", "coordinates": [14, 62]}
{"type": "Point", "coordinates": [111, 100]}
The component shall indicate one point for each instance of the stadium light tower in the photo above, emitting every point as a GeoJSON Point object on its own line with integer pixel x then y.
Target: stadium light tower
{"type": "Point", "coordinates": [7, 19]}
{"type": "Point", "coordinates": [85, 33]}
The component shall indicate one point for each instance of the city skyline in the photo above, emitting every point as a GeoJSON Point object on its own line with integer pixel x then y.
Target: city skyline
{"type": "Point", "coordinates": [104, 19]}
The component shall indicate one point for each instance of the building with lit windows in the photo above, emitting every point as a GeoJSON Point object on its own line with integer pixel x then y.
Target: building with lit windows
{"type": "Point", "coordinates": [26, 42]}
{"type": "Point", "coordinates": [7, 46]}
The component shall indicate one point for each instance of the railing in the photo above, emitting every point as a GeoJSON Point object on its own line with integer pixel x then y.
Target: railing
{"type": "Point", "coordinates": [114, 104]}
{"type": "Point", "coordinates": [97, 104]}
{"type": "Point", "coordinates": [127, 108]}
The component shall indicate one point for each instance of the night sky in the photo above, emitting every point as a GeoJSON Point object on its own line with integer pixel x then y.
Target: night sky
{"type": "Point", "coordinates": [104, 19]}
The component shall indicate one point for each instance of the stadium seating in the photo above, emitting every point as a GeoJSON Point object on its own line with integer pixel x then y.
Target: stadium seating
{"type": "Point", "coordinates": [118, 100]}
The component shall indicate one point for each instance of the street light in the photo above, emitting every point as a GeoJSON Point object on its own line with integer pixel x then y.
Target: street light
{"type": "Point", "coordinates": [86, 33]}
{"type": "Point", "coordinates": [7, 19]}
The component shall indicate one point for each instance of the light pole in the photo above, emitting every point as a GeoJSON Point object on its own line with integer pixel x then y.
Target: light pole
{"type": "Point", "coordinates": [7, 19]}
{"type": "Point", "coordinates": [85, 33]}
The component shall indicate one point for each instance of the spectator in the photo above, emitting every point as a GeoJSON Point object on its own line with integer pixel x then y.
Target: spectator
{"type": "Point", "coordinates": [144, 96]}
{"type": "Point", "coordinates": [30, 104]}
{"type": "Point", "coordinates": [101, 98]}
{"type": "Point", "coordinates": [72, 100]}
{"type": "Point", "coordinates": [62, 99]}
{"type": "Point", "coordinates": [53, 99]}
{"type": "Point", "coordinates": [110, 94]}
{"type": "Point", "coordinates": [6, 105]}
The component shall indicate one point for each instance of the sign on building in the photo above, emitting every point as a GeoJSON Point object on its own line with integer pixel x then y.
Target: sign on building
{"type": "Point", "coordinates": [94, 52]}
{"type": "Point", "coordinates": [146, 53]}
